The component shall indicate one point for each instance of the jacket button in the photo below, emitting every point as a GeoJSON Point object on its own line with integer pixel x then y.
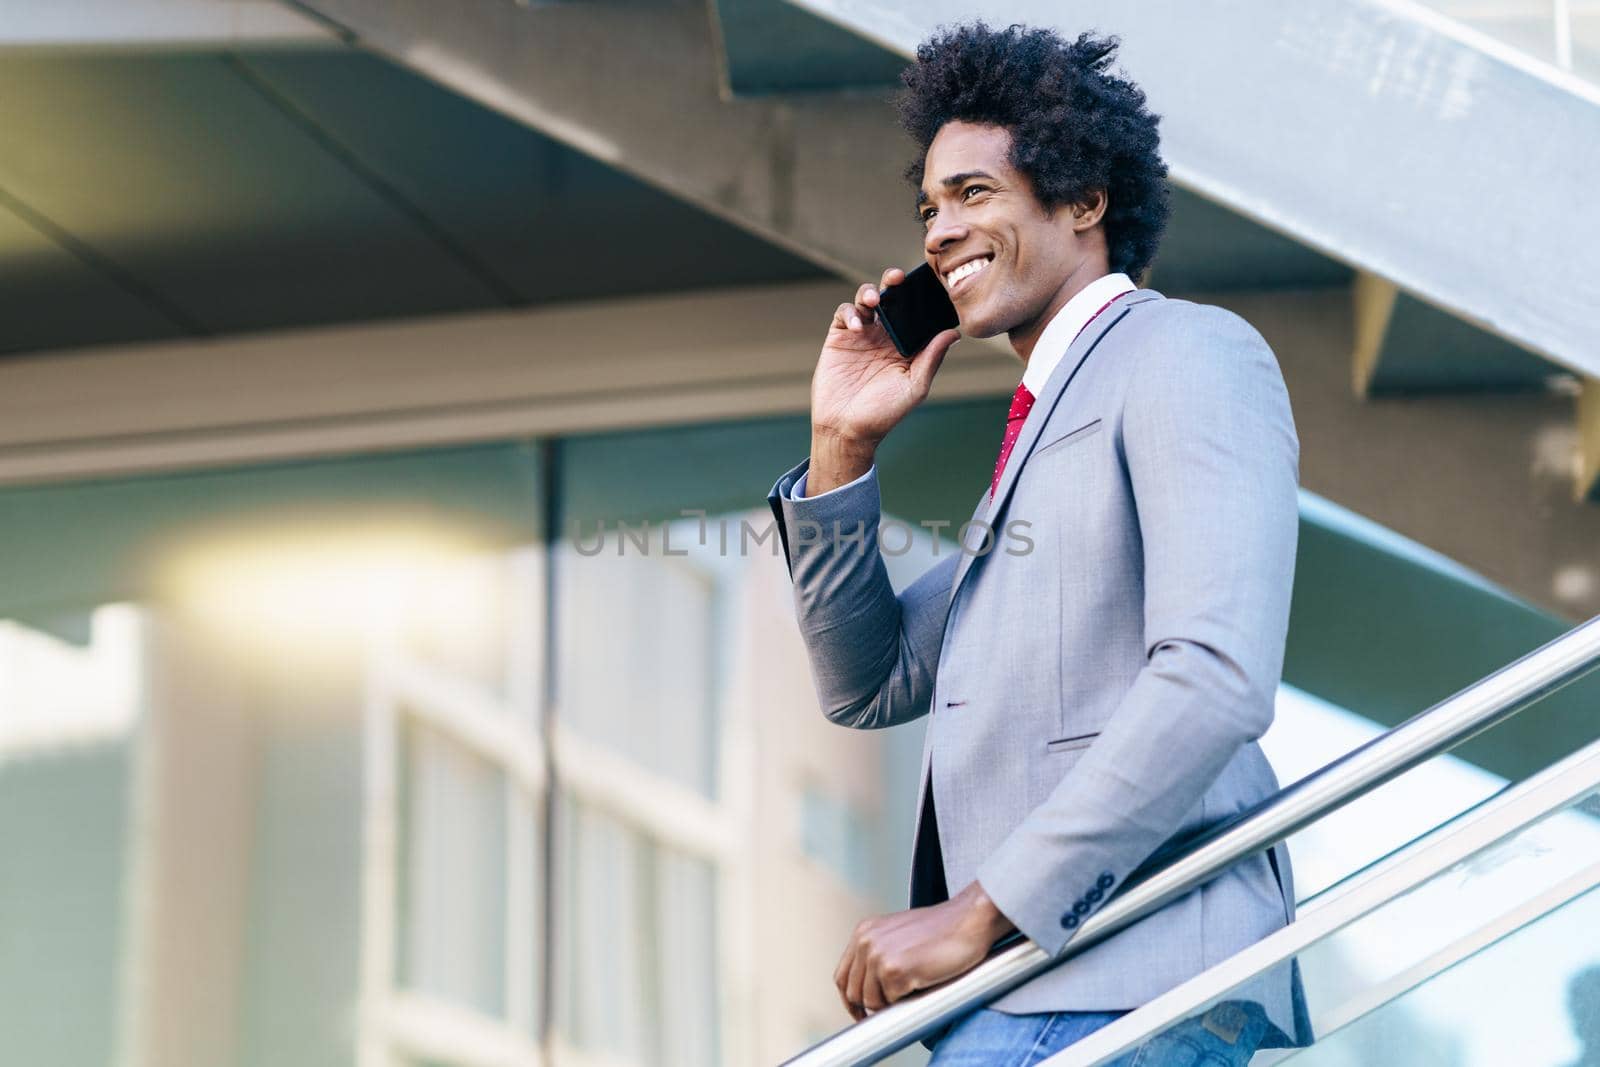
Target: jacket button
{"type": "Point", "coordinates": [1069, 920]}
{"type": "Point", "coordinates": [1105, 881]}
{"type": "Point", "coordinates": [1081, 908]}
{"type": "Point", "coordinates": [1094, 895]}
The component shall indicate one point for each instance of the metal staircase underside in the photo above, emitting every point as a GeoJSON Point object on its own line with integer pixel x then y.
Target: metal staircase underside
{"type": "Point", "coordinates": [1340, 137]}
{"type": "Point", "coordinates": [1368, 129]}
{"type": "Point", "coordinates": [1358, 129]}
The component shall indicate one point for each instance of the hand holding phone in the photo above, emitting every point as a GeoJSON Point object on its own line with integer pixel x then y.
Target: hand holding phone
{"type": "Point", "coordinates": [865, 383]}
{"type": "Point", "coordinates": [916, 311]}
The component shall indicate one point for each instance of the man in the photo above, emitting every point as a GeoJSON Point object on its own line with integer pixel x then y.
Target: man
{"type": "Point", "coordinates": [1099, 695]}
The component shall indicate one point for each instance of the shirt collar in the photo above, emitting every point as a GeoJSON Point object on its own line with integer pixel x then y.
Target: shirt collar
{"type": "Point", "coordinates": [1063, 329]}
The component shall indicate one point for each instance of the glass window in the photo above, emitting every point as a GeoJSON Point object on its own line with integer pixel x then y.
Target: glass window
{"type": "Point", "coordinates": [637, 975]}
{"type": "Point", "coordinates": [69, 704]}
{"type": "Point", "coordinates": [160, 634]}
{"type": "Point", "coordinates": [75, 682]}
{"type": "Point", "coordinates": [635, 661]}
{"type": "Point", "coordinates": [453, 872]}
{"type": "Point", "coordinates": [456, 617]}
{"type": "Point", "coordinates": [834, 833]}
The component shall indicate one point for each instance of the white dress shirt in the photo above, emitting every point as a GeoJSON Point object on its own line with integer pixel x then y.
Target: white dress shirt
{"type": "Point", "coordinates": [1064, 328]}
{"type": "Point", "coordinates": [1053, 343]}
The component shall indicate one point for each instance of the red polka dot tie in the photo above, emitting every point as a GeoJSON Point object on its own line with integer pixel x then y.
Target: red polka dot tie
{"type": "Point", "coordinates": [1021, 404]}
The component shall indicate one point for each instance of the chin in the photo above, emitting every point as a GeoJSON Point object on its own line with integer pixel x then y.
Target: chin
{"type": "Point", "coordinates": [978, 324]}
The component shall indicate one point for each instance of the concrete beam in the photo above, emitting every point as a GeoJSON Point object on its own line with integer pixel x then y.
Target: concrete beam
{"type": "Point", "coordinates": [155, 24]}
{"type": "Point", "coordinates": [1368, 143]}
{"type": "Point", "coordinates": [131, 409]}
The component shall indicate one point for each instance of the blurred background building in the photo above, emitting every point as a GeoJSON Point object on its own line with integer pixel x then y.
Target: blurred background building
{"type": "Point", "coordinates": [396, 666]}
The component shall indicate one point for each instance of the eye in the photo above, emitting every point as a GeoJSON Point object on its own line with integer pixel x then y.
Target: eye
{"type": "Point", "coordinates": [925, 215]}
{"type": "Point", "coordinates": [966, 194]}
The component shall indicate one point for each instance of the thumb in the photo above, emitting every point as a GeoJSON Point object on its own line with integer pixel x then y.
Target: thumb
{"type": "Point", "coordinates": [925, 364]}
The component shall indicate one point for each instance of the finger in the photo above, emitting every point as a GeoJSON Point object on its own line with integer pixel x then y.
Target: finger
{"type": "Point", "coordinates": [850, 1009]}
{"type": "Point", "coordinates": [925, 364]}
{"type": "Point", "coordinates": [846, 317]}
{"type": "Point", "coordinates": [873, 997]}
{"type": "Point", "coordinates": [852, 988]}
{"type": "Point", "coordinates": [841, 973]}
{"type": "Point", "coordinates": [892, 276]}
{"type": "Point", "coordinates": [841, 980]}
{"type": "Point", "coordinates": [866, 300]}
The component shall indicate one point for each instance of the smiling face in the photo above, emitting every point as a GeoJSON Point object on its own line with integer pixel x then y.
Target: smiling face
{"type": "Point", "coordinates": [1008, 263]}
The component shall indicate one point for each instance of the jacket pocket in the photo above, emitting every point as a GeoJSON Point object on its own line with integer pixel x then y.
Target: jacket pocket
{"type": "Point", "coordinates": [1088, 429]}
{"type": "Point", "coordinates": [1070, 744]}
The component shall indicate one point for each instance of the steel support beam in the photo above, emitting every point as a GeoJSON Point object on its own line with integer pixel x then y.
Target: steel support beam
{"type": "Point", "coordinates": [1375, 131]}
{"type": "Point", "coordinates": [1485, 479]}
{"type": "Point", "coordinates": [1372, 300]}
{"type": "Point", "coordinates": [1589, 440]}
{"type": "Point", "coordinates": [1405, 345]}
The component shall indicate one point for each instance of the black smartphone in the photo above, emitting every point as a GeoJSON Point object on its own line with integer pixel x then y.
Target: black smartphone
{"type": "Point", "coordinates": [916, 310]}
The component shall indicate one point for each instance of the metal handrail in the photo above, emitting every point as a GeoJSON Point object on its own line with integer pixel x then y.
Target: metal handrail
{"type": "Point", "coordinates": [1479, 707]}
{"type": "Point", "coordinates": [1484, 827]}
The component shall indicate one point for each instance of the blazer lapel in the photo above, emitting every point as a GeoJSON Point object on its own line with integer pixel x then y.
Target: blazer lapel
{"type": "Point", "coordinates": [1080, 349]}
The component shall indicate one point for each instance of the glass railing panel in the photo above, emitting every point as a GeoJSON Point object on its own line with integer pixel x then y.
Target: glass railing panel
{"type": "Point", "coordinates": [1304, 731]}
{"type": "Point", "coordinates": [1526, 25]}
{"type": "Point", "coordinates": [1530, 997]}
{"type": "Point", "coordinates": [1385, 949]}
{"type": "Point", "coordinates": [1562, 33]}
{"type": "Point", "coordinates": [1427, 929]}
{"type": "Point", "coordinates": [1586, 39]}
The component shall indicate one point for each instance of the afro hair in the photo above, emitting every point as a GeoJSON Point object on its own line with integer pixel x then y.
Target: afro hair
{"type": "Point", "coordinates": [1074, 126]}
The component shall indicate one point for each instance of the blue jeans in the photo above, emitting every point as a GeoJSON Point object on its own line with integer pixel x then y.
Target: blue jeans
{"type": "Point", "coordinates": [1226, 1036]}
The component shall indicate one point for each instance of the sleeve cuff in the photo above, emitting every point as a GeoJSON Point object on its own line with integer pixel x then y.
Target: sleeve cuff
{"type": "Point", "coordinates": [855, 503]}
{"type": "Point", "coordinates": [798, 490]}
{"type": "Point", "coordinates": [1045, 902]}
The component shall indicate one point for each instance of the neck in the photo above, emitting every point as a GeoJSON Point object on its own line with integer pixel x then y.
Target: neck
{"type": "Point", "coordinates": [1024, 337]}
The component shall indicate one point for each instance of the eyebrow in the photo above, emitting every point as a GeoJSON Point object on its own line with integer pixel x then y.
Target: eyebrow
{"type": "Point", "coordinates": [953, 181]}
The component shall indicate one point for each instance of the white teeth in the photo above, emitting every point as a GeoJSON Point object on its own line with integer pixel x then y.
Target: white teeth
{"type": "Point", "coordinates": [966, 270]}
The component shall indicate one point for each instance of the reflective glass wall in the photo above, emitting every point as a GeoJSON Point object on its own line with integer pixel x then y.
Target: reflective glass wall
{"type": "Point", "coordinates": [271, 771]}
{"type": "Point", "coordinates": [505, 754]}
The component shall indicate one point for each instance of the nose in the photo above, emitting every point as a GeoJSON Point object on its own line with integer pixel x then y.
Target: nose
{"type": "Point", "coordinates": [945, 231]}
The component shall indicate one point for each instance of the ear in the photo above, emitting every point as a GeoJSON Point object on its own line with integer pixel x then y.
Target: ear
{"type": "Point", "coordinates": [1088, 212]}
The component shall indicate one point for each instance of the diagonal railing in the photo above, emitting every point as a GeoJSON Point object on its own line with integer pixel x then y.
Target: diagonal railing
{"type": "Point", "coordinates": [1477, 832]}
{"type": "Point", "coordinates": [1475, 709]}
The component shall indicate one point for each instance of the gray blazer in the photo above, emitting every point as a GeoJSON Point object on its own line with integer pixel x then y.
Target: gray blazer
{"type": "Point", "coordinates": [1099, 694]}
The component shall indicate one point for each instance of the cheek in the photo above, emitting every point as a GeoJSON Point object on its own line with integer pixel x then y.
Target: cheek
{"type": "Point", "coordinates": [1024, 267]}
{"type": "Point", "coordinates": [1009, 284]}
